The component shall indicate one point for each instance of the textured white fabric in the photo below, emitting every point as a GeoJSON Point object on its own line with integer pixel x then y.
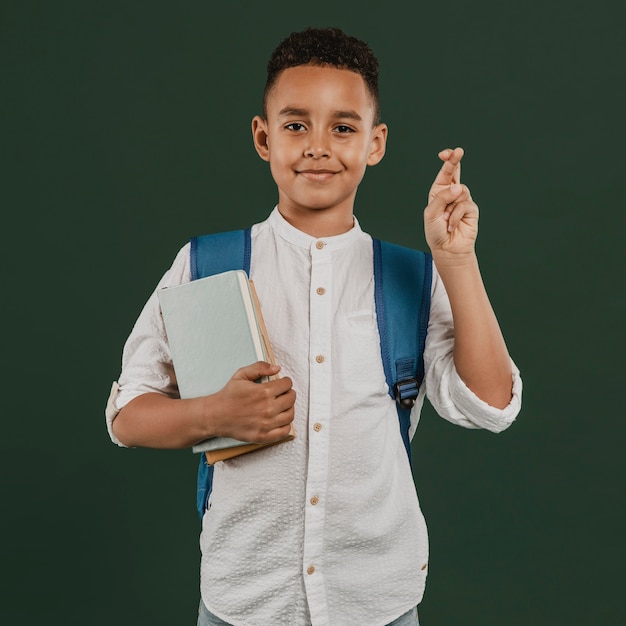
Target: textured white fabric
{"type": "Point", "coordinates": [325, 529]}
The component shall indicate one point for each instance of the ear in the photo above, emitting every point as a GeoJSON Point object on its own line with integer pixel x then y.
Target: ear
{"type": "Point", "coordinates": [379, 144]}
{"type": "Point", "coordinates": [260, 137]}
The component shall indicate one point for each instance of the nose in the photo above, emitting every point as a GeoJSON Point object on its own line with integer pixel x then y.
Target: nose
{"type": "Point", "coordinates": [318, 145]}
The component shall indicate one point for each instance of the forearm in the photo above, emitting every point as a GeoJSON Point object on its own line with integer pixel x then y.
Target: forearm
{"type": "Point", "coordinates": [480, 354]}
{"type": "Point", "coordinates": [242, 409]}
{"type": "Point", "coordinates": [154, 420]}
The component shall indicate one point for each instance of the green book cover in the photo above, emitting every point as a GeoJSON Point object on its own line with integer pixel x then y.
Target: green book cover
{"type": "Point", "coordinates": [212, 330]}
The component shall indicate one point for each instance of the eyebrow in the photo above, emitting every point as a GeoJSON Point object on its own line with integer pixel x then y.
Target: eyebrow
{"type": "Point", "coordinates": [343, 115]}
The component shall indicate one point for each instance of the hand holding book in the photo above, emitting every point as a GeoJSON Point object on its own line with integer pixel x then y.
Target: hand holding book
{"type": "Point", "coordinates": [260, 413]}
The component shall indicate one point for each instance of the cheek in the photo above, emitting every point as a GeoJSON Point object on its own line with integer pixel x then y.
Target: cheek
{"type": "Point", "coordinates": [281, 169]}
{"type": "Point", "coordinates": [358, 163]}
{"type": "Point", "coordinates": [283, 154]}
{"type": "Point", "coordinates": [357, 155]}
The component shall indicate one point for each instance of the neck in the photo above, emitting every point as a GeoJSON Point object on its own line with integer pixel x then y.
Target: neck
{"type": "Point", "coordinates": [320, 222]}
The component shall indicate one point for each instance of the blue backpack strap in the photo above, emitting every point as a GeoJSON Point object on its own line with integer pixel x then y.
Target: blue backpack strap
{"type": "Point", "coordinates": [402, 285]}
{"type": "Point", "coordinates": [220, 252]}
{"type": "Point", "coordinates": [213, 254]}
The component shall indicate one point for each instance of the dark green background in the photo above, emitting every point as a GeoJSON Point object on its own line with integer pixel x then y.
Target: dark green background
{"type": "Point", "coordinates": [125, 130]}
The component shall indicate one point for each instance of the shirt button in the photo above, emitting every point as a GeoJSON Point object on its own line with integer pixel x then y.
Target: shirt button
{"type": "Point", "coordinates": [317, 427]}
{"type": "Point", "coordinates": [319, 245]}
{"type": "Point", "coordinates": [320, 358]}
{"type": "Point", "coordinates": [320, 291]}
{"type": "Point", "coordinates": [314, 500]}
{"type": "Point", "coordinates": [310, 570]}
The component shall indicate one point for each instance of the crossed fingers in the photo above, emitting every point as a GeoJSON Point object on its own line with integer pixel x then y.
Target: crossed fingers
{"type": "Point", "coordinates": [450, 171]}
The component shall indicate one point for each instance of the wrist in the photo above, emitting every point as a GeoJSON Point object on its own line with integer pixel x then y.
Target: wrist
{"type": "Point", "coordinates": [451, 261]}
{"type": "Point", "coordinates": [461, 277]}
{"type": "Point", "coordinates": [207, 416]}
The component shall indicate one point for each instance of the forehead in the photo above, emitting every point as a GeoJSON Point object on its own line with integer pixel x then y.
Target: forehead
{"type": "Point", "coordinates": [320, 87]}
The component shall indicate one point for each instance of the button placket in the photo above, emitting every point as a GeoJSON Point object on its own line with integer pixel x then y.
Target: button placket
{"type": "Point", "coordinates": [320, 316]}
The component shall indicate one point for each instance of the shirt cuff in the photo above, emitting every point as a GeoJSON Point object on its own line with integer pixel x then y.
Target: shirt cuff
{"type": "Point", "coordinates": [481, 414]}
{"type": "Point", "coordinates": [111, 412]}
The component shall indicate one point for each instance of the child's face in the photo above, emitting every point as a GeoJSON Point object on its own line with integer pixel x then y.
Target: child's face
{"type": "Point", "coordinates": [319, 137]}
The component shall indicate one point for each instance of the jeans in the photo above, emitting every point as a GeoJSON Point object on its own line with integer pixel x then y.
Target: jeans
{"type": "Point", "coordinates": [208, 619]}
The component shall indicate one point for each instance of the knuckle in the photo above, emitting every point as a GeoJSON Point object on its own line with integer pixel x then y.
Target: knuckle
{"type": "Point", "coordinates": [266, 412]}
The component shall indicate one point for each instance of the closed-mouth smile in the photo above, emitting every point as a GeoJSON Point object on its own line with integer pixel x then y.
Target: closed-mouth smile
{"type": "Point", "coordinates": [317, 175]}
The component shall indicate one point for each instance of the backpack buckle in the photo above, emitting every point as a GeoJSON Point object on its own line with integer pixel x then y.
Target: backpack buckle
{"type": "Point", "coordinates": [405, 392]}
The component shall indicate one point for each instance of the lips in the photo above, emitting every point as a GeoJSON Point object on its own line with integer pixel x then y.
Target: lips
{"type": "Point", "coordinates": [319, 176]}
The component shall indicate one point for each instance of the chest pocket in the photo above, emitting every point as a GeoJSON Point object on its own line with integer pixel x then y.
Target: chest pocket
{"type": "Point", "coordinates": [357, 362]}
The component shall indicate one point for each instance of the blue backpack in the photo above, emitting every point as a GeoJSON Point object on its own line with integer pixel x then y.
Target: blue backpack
{"type": "Point", "coordinates": [402, 284]}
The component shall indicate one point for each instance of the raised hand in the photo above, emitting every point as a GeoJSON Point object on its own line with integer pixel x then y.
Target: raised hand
{"type": "Point", "coordinates": [451, 217]}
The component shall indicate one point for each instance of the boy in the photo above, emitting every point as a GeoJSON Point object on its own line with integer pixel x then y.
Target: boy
{"type": "Point", "coordinates": [325, 529]}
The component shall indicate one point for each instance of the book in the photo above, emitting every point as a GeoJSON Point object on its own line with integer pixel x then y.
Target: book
{"type": "Point", "coordinates": [214, 326]}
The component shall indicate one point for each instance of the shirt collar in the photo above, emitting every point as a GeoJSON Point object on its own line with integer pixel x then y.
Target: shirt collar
{"type": "Point", "coordinates": [298, 238]}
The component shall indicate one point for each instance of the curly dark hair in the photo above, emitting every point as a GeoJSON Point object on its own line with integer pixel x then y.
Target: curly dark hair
{"type": "Point", "coordinates": [325, 47]}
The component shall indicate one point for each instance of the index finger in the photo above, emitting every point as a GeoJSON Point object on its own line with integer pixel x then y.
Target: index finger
{"type": "Point", "coordinates": [450, 171]}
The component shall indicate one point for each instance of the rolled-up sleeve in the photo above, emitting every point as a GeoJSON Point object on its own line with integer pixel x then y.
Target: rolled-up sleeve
{"type": "Point", "coordinates": [146, 359]}
{"type": "Point", "coordinates": [445, 389]}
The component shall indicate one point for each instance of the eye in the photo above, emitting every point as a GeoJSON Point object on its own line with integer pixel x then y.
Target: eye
{"type": "Point", "coordinates": [295, 126]}
{"type": "Point", "coordinates": [342, 128]}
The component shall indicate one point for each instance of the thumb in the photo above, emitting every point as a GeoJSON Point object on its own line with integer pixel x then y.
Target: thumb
{"type": "Point", "coordinates": [453, 193]}
{"type": "Point", "coordinates": [256, 370]}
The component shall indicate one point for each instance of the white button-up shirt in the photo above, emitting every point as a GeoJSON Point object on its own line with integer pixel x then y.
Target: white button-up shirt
{"type": "Point", "coordinates": [325, 529]}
